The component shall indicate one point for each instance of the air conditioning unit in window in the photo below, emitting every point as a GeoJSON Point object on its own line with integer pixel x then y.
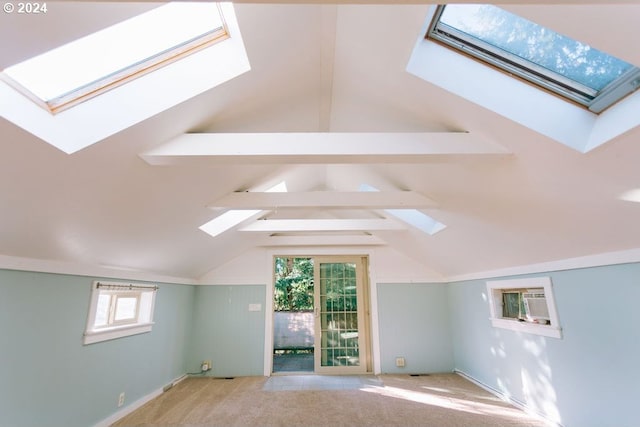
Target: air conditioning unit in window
{"type": "Point", "coordinates": [535, 306]}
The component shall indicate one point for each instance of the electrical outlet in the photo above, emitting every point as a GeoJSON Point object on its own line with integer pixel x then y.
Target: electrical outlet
{"type": "Point", "coordinates": [206, 365]}
{"type": "Point", "coordinates": [400, 362]}
{"type": "Point", "coordinates": [121, 399]}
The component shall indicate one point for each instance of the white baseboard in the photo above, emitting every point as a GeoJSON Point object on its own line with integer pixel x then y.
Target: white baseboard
{"type": "Point", "coordinates": [121, 413]}
{"type": "Point", "coordinates": [518, 404]}
{"type": "Point", "coordinates": [180, 379]}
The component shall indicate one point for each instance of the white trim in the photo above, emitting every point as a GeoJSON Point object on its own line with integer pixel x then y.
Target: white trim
{"type": "Point", "coordinates": [269, 273]}
{"type": "Point", "coordinates": [146, 305]}
{"type": "Point", "coordinates": [515, 402]}
{"type": "Point", "coordinates": [71, 268]}
{"type": "Point", "coordinates": [494, 290]}
{"type": "Point", "coordinates": [118, 332]}
{"type": "Point", "coordinates": [374, 322]}
{"type": "Point", "coordinates": [129, 409]}
{"type": "Point", "coordinates": [230, 281]}
{"type": "Point", "coordinates": [316, 252]}
{"type": "Point", "coordinates": [179, 379]}
{"type": "Point", "coordinates": [63, 267]}
{"type": "Point", "coordinates": [602, 259]}
{"type": "Point", "coordinates": [111, 419]}
{"type": "Point", "coordinates": [529, 328]}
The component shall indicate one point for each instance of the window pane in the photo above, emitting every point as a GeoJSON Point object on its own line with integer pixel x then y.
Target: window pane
{"type": "Point", "coordinates": [511, 304]}
{"type": "Point", "coordinates": [102, 310]}
{"type": "Point", "coordinates": [126, 308]}
{"type": "Point", "coordinates": [116, 48]}
{"type": "Point", "coordinates": [572, 59]}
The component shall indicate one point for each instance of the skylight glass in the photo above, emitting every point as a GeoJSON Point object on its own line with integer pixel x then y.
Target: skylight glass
{"type": "Point", "coordinates": [102, 60]}
{"type": "Point", "coordinates": [234, 217]}
{"type": "Point", "coordinates": [413, 217]}
{"type": "Point", "coordinates": [565, 66]}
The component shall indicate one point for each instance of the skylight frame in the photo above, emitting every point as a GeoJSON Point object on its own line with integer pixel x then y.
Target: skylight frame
{"type": "Point", "coordinates": [100, 117]}
{"type": "Point", "coordinates": [234, 217]}
{"type": "Point", "coordinates": [124, 75]}
{"type": "Point", "coordinates": [413, 217]}
{"type": "Point", "coordinates": [595, 101]}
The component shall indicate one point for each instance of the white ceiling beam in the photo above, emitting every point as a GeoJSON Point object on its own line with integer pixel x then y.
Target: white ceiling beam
{"type": "Point", "coordinates": [421, 2]}
{"type": "Point", "coordinates": [322, 147]}
{"type": "Point", "coordinates": [315, 225]}
{"type": "Point", "coordinates": [324, 199]}
{"type": "Point", "coordinates": [362, 240]}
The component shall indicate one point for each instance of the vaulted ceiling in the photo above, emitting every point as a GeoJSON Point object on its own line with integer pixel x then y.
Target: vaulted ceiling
{"type": "Point", "coordinates": [328, 78]}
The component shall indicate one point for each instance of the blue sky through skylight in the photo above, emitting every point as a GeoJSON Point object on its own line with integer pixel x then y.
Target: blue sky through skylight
{"type": "Point", "coordinates": [525, 39]}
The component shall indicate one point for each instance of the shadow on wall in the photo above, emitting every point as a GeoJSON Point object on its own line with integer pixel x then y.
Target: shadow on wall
{"type": "Point", "coordinates": [537, 384]}
{"type": "Point", "coordinates": [523, 373]}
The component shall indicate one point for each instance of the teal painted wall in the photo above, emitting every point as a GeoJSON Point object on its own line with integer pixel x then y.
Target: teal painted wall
{"type": "Point", "coordinates": [587, 379]}
{"type": "Point", "coordinates": [414, 324]}
{"type": "Point", "coordinates": [226, 332]}
{"type": "Point", "coordinates": [590, 377]}
{"type": "Point", "coordinates": [49, 378]}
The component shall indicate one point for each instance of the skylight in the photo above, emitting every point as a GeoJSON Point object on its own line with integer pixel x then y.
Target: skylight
{"type": "Point", "coordinates": [234, 217]}
{"type": "Point", "coordinates": [103, 60]}
{"type": "Point", "coordinates": [185, 73]}
{"type": "Point", "coordinates": [413, 217]}
{"type": "Point", "coordinates": [553, 61]}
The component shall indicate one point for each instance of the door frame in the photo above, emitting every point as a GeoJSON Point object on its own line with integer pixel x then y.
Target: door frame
{"type": "Point", "coordinates": [363, 315]}
{"type": "Point", "coordinates": [369, 295]}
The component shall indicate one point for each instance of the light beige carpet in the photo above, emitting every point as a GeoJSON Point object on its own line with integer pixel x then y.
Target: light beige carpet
{"type": "Point", "coordinates": [442, 400]}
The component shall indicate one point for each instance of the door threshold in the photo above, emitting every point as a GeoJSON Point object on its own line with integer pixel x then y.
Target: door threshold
{"type": "Point", "coordinates": [312, 373]}
{"type": "Point", "coordinates": [285, 373]}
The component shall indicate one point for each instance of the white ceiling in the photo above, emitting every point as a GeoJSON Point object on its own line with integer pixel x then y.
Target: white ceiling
{"type": "Point", "coordinates": [318, 68]}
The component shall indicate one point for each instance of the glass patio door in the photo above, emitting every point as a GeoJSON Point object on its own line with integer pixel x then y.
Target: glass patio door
{"type": "Point", "coordinates": [340, 345]}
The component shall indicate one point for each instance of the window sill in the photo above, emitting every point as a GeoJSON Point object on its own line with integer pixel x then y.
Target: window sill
{"type": "Point", "coordinates": [527, 327]}
{"type": "Point", "coordinates": [105, 334]}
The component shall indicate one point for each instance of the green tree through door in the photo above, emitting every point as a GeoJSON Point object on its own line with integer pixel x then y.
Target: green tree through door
{"type": "Point", "coordinates": [293, 289]}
